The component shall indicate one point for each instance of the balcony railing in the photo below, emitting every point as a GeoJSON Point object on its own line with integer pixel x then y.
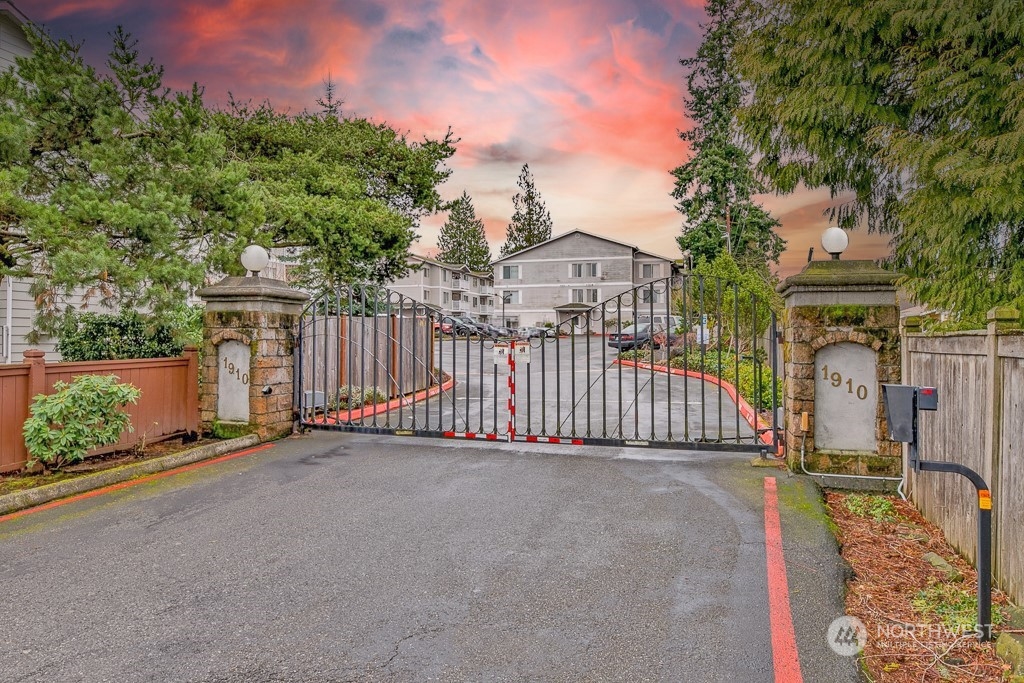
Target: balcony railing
{"type": "Point", "coordinates": [461, 283]}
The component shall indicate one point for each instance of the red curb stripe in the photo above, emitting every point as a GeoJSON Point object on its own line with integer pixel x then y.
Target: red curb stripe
{"type": "Point", "coordinates": [746, 411]}
{"type": "Point", "coordinates": [378, 408]}
{"type": "Point", "coordinates": [132, 482]}
{"type": "Point", "coordinates": [785, 658]}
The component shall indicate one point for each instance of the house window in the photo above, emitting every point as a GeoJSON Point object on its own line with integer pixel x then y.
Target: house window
{"type": "Point", "coordinates": [476, 301]}
{"type": "Point", "coordinates": [584, 296]}
{"type": "Point", "coordinates": [510, 272]}
{"type": "Point", "coordinates": [511, 296]}
{"type": "Point", "coordinates": [426, 295]}
{"type": "Point", "coordinates": [444, 297]}
{"type": "Point", "coordinates": [444, 275]}
{"type": "Point", "coordinates": [584, 270]}
{"type": "Point", "coordinates": [426, 271]}
{"type": "Point", "coordinates": [648, 296]}
{"type": "Point", "coordinates": [648, 270]}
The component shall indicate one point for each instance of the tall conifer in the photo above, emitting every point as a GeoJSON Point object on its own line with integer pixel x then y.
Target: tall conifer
{"type": "Point", "coordinates": [531, 221]}
{"type": "Point", "coordinates": [462, 240]}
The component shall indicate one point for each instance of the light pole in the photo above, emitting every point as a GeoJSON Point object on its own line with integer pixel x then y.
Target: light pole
{"type": "Point", "coordinates": [505, 296]}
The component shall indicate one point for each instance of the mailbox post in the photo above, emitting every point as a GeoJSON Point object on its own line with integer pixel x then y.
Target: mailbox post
{"type": "Point", "coordinates": [902, 405]}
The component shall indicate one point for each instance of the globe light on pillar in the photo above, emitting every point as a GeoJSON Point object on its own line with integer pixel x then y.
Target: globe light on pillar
{"type": "Point", "coordinates": [834, 241]}
{"type": "Point", "coordinates": [254, 259]}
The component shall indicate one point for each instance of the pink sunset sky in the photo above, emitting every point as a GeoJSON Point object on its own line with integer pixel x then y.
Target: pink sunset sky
{"type": "Point", "coordinates": [589, 93]}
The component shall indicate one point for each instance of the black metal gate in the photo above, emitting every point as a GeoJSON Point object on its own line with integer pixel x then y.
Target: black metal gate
{"type": "Point", "coordinates": [685, 362]}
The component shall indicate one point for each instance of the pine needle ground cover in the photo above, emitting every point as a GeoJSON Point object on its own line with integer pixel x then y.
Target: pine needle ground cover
{"type": "Point", "coordinates": [918, 616]}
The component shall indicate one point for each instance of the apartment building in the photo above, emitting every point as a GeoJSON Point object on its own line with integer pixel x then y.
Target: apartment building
{"type": "Point", "coordinates": [455, 290]}
{"type": "Point", "coordinates": [568, 274]}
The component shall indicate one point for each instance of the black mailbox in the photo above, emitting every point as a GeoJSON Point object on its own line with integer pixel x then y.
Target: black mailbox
{"type": "Point", "coordinates": [900, 411]}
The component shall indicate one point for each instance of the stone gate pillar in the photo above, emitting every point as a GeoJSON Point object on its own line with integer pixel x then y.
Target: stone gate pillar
{"type": "Point", "coordinates": [249, 332]}
{"type": "Point", "coordinates": [840, 344]}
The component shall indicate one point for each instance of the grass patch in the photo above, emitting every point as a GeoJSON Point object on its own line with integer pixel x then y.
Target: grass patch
{"type": "Point", "coordinates": [952, 605]}
{"type": "Point", "coordinates": [878, 508]}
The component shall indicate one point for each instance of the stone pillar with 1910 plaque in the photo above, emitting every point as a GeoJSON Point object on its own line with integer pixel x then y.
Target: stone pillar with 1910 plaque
{"type": "Point", "coordinates": [841, 342]}
{"type": "Point", "coordinates": [249, 332]}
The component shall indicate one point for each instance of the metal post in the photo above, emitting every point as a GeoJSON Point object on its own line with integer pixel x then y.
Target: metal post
{"type": "Point", "coordinates": [512, 390]}
{"type": "Point", "coordinates": [984, 562]}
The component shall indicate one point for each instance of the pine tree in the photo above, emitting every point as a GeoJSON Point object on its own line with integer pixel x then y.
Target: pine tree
{"type": "Point", "coordinates": [531, 222]}
{"type": "Point", "coordinates": [462, 240]}
{"type": "Point", "coordinates": [714, 187]}
{"type": "Point", "coordinates": [911, 113]}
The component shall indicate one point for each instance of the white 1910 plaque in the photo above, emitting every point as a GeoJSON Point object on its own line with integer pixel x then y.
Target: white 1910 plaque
{"type": "Point", "coordinates": [845, 398]}
{"type": "Point", "coordinates": [233, 382]}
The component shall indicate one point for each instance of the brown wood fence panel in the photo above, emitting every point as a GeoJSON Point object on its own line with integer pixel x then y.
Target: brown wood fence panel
{"type": "Point", "coordinates": [979, 423]}
{"type": "Point", "coordinates": [14, 402]}
{"type": "Point", "coordinates": [168, 404]}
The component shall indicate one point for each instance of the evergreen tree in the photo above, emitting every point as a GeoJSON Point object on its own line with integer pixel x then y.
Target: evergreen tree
{"type": "Point", "coordinates": [531, 222]}
{"type": "Point", "coordinates": [113, 184]}
{"type": "Point", "coordinates": [462, 240]}
{"type": "Point", "coordinates": [714, 187]}
{"type": "Point", "coordinates": [911, 111]}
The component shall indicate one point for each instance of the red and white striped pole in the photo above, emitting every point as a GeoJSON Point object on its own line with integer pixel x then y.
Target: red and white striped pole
{"type": "Point", "coordinates": [512, 391]}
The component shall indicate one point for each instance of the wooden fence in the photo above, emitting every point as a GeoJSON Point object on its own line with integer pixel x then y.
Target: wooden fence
{"type": "Point", "coordinates": [980, 424]}
{"type": "Point", "coordinates": [392, 354]}
{"type": "Point", "coordinates": [168, 405]}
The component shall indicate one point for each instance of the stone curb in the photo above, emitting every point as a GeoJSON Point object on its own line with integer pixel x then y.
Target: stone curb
{"type": "Point", "coordinates": [19, 500]}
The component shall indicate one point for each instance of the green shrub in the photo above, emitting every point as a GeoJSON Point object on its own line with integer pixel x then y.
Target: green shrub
{"type": "Point", "coordinates": [359, 397]}
{"type": "Point", "coordinates": [65, 425]}
{"type": "Point", "coordinates": [754, 381]}
{"type": "Point", "coordinates": [105, 336]}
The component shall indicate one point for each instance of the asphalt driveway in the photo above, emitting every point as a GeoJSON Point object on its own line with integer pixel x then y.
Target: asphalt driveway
{"type": "Point", "coordinates": [347, 557]}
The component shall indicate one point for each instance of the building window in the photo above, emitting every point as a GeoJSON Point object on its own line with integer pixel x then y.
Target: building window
{"type": "Point", "coordinates": [649, 270]}
{"type": "Point", "coordinates": [444, 275]}
{"type": "Point", "coordinates": [648, 296]}
{"type": "Point", "coordinates": [510, 272]}
{"type": "Point", "coordinates": [511, 296]}
{"type": "Point", "coordinates": [584, 270]}
{"type": "Point", "coordinates": [476, 301]}
{"type": "Point", "coordinates": [584, 296]}
{"type": "Point", "coordinates": [426, 271]}
{"type": "Point", "coordinates": [444, 297]}
{"type": "Point", "coordinates": [426, 295]}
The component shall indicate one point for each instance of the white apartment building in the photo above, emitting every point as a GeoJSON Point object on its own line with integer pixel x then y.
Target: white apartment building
{"type": "Point", "coordinates": [569, 274]}
{"type": "Point", "coordinates": [456, 290]}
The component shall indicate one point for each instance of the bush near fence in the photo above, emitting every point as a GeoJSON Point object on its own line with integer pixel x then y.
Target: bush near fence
{"type": "Point", "coordinates": [167, 408]}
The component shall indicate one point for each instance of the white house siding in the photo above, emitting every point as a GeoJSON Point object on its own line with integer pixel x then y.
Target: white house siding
{"type": "Point", "coordinates": [546, 278]}
{"type": "Point", "coordinates": [19, 322]}
{"type": "Point", "coordinates": [12, 39]}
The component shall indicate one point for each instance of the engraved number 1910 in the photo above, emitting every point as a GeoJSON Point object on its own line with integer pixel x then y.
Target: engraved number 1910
{"type": "Point", "coordinates": [836, 380]}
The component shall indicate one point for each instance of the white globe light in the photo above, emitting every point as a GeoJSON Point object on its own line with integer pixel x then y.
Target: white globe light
{"type": "Point", "coordinates": [254, 258]}
{"type": "Point", "coordinates": [834, 241]}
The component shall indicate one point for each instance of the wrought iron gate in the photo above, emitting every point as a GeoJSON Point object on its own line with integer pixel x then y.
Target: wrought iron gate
{"type": "Point", "coordinates": [684, 362]}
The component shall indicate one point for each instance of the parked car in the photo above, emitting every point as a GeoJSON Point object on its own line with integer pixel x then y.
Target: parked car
{"type": "Point", "coordinates": [488, 330]}
{"type": "Point", "coordinates": [638, 336]}
{"type": "Point", "coordinates": [537, 332]}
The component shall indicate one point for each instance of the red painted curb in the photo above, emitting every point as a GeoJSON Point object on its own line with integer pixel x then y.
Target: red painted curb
{"type": "Point", "coordinates": [748, 413]}
{"type": "Point", "coordinates": [785, 658]}
{"type": "Point", "coordinates": [132, 482]}
{"type": "Point", "coordinates": [369, 411]}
